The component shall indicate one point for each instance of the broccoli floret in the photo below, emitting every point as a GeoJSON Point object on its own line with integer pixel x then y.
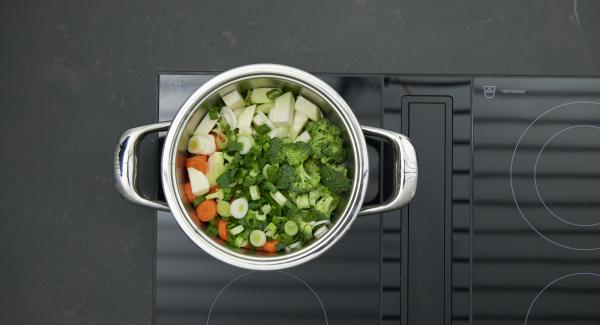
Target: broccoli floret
{"type": "Point", "coordinates": [326, 143]}
{"type": "Point", "coordinates": [275, 152]}
{"type": "Point", "coordinates": [334, 177]}
{"type": "Point", "coordinates": [285, 176]}
{"type": "Point", "coordinates": [317, 193]}
{"type": "Point", "coordinates": [296, 153]}
{"type": "Point", "coordinates": [326, 205]}
{"type": "Point", "coordinates": [304, 181]}
{"type": "Point", "coordinates": [270, 172]}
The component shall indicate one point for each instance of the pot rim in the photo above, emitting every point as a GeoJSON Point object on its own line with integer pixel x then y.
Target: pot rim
{"type": "Point", "coordinates": [356, 195]}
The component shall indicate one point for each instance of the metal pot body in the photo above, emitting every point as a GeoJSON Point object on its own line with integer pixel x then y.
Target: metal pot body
{"type": "Point", "coordinates": [243, 78]}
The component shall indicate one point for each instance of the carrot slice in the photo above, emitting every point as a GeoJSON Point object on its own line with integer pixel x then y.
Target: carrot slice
{"type": "Point", "coordinates": [220, 140]}
{"type": "Point", "coordinates": [188, 192]}
{"type": "Point", "coordinates": [207, 210]}
{"type": "Point", "coordinates": [271, 246]}
{"type": "Point", "coordinates": [197, 162]}
{"type": "Point", "coordinates": [222, 226]}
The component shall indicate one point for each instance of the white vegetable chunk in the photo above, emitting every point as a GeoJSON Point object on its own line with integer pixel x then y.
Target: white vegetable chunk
{"type": "Point", "coordinates": [282, 114]}
{"type": "Point", "coordinates": [247, 143]}
{"type": "Point", "coordinates": [245, 119]}
{"type": "Point", "coordinates": [259, 96]}
{"type": "Point", "coordinates": [300, 120]}
{"type": "Point", "coordinates": [304, 137]}
{"type": "Point", "coordinates": [205, 126]}
{"type": "Point", "coordinates": [199, 181]}
{"type": "Point", "coordinates": [229, 117]}
{"type": "Point", "coordinates": [234, 100]}
{"type": "Point", "coordinates": [308, 108]}
{"type": "Point", "coordinates": [260, 118]}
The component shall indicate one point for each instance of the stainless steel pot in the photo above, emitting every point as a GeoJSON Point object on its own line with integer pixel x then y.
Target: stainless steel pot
{"type": "Point", "coordinates": [243, 78]}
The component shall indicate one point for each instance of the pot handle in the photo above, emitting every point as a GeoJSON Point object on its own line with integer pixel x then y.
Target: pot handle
{"type": "Point", "coordinates": [126, 158]}
{"type": "Point", "coordinates": [405, 171]}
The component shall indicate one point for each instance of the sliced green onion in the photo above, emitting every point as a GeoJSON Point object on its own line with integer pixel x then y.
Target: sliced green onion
{"type": "Point", "coordinates": [320, 232]}
{"type": "Point", "coordinates": [261, 216]}
{"type": "Point", "coordinates": [274, 93]}
{"type": "Point", "coordinates": [258, 238]}
{"type": "Point", "coordinates": [236, 230]}
{"type": "Point", "coordinates": [291, 228]}
{"type": "Point", "coordinates": [253, 173]}
{"type": "Point", "coordinates": [213, 114]}
{"type": "Point", "coordinates": [198, 200]}
{"type": "Point", "coordinates": [266, 208]}
{"type": "Point", "coordinates": [270, 229]}
{"type": "Point", "coordinates": [254, 193]}
{"type": "Point", "coordinates": [279, 198]}
{"type": "Point", "coordinates": [223, 208]}
{"type": "Point", "coordinates": [262, 129]}
{"type": "Point", "coordinates": [238, 241]}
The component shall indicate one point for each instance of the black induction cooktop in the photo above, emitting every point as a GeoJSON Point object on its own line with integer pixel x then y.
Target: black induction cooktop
{"type": "Point", "coordinates": [504, 229]}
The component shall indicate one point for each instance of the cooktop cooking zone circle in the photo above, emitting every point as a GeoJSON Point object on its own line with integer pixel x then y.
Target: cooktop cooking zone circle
{"type": "Point", "coordinates": [582, 290]}
{"type": "Point", "coordinates": [280, 295]}
{"type": "Point", "coordinates": [560, 188]}
{"type": "Point", "coordinates": [555, 175]}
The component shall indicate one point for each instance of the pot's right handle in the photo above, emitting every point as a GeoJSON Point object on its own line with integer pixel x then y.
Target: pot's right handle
{"type": "Point", "coordinates": [126, 159]}
{"type": "Point", "coordinates": [405, 171]}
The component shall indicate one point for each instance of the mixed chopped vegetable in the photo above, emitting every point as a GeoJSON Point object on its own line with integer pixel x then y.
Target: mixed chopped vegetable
{"type": "Point", "coordinates": [266, 170]}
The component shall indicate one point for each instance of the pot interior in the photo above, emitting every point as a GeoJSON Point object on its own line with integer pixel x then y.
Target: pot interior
{"type": "Point", "coordinates": [213, 98]}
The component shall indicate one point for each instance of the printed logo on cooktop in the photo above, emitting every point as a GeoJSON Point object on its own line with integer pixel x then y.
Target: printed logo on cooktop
{"type": "Point", "coordinates": [489, 91]}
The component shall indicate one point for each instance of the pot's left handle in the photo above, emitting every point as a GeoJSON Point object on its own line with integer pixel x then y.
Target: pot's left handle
{"type": "Point", "coordinates": [126, 159]}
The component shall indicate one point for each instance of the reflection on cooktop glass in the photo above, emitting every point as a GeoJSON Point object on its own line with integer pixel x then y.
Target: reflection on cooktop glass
{"type": "Point", "coordinates": [536, 201]}
{"type": "Point", "coordinates": [340, 287]}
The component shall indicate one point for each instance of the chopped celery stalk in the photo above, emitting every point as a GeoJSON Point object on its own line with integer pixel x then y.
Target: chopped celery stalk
{"type": "Point", "coordinates": [279, 198]}
{"type": "Point", "coordinates": [261, 216]}
{"type": "Point", "coordinates": [229, 117]}
{"type": "Point", "coordinates": [304, 137]}
{"type": "Point", "coordinates": [223, 208]}
{"type": "Point", "coordinates": [302, 201]}
{"type": "Point", "coordinates": [291, 228]}
{"type": "Point", "coordinates": [289, 248]}
{"type": "Point", "coordinates": [238, 241]}
{"type": "Point", "coordinates": [266, 208]}
{"type": "Point", "coordinates": [259, 96]}
{"type": "Point", "coordinates": [308, 108]}
{"type": "Point", "coordinates": [247, 143]}
{"type": "Point", "coordinates": [254, 193]}
{"type": "Point", "coordinates": [320, 232]}
{"type": "Point", "coordinates": [234, 100]}
{"type": "Point", "coordinates": [270, 229]}
{"type": "Point", "coordinates": [239, 208]}
{"type": "Point", "coordinates": [258, 238]}
{"type": "Point", "coordinates": [265, 108]}
{"type": "Point", "coordinates": [236, 230]}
